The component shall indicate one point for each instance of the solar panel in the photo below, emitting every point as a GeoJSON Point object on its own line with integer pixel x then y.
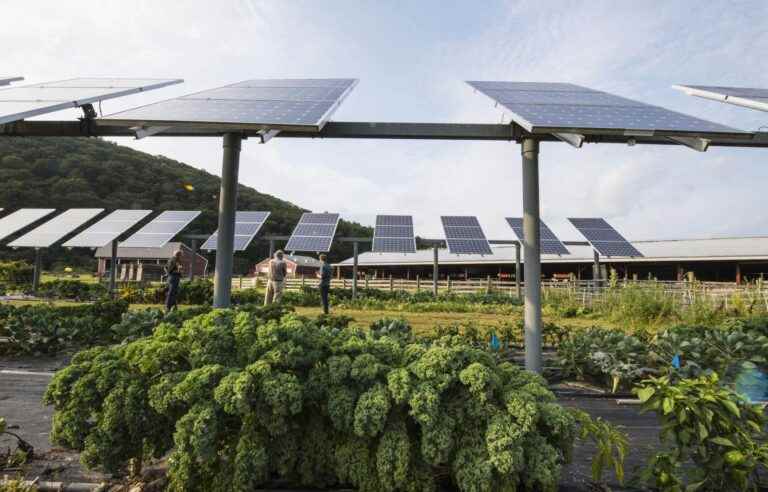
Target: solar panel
{"type": "Point", "coordinates": [604, 238]}
{"type": "Point", "coordinates": [161, 229]}
{"type": "Point", "coordinates": [740, 96]}
{"type": "Point", "coordinates": [394, 234]}
{"type": "Point", "coordinates": [282, 104]}
{"type": "Point", "coordinates": [314, 232]}
{"type": "Point", "coordinates": [7, 79]}
{"type": "Point", "coordinates": [55, 229]}
{"type": "Point", "coordinates": [18, 220]}
{"type": "Point", "coordinates": [550, 244]}
{"type": "Point", "coordinates": [107, 229]}
{"type": "Point", "coordinates": [18, 103]}
{"type": "Point", "coordinates": [247, 225]}
{"type": "Point", "coordinates": [542, 107]}
{"type": "Point", "coordinates": [464, 235]}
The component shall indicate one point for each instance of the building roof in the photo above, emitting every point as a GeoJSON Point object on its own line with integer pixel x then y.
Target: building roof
{"type": "Point", "coordinates": [162, 253]}
{"type": "Point", "coordinates": [715, 249]}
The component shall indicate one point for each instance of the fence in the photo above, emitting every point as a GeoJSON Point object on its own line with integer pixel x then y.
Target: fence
{"type": "Point", "coordinates": [586, 292]}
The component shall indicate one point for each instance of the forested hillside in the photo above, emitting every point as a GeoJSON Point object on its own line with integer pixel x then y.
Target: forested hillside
{"type": "Point", "coordinates": [66, 173]}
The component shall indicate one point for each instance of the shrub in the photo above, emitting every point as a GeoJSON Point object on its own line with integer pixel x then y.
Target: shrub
{"type": "Point", "coordinates": [16, 273]}
{"type": "Point", "coordinates": [237, 401]}
{"type": "Point", "coordinates": [71, 289]}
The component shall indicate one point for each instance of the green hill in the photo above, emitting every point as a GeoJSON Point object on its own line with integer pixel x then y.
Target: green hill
{"type": "Point", "coordinates": [66, 173]}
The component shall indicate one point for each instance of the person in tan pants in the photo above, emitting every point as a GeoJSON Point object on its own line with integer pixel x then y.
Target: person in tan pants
{"type": "Point", "coordinates": [276, 274]}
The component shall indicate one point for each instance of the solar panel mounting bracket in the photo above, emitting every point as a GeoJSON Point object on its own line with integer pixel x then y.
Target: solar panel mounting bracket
{"type": "Point", "coordinates": [89, 112]}
{"type": "Point", "coordinates": [267, 134]}
{"type": "Point", "coordinates": [148, 131]}
{"type": "Point", "coordinates": [696, 143]}
{"type": "Point", "coordinates": [576, 140]}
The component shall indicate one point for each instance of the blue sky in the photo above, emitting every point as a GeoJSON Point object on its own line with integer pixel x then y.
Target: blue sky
{"type": "Point", "coordinates": [411, 59]}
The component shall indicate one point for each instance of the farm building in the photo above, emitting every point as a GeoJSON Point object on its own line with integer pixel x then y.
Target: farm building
{"type": "Point", "coordinates": [737, 259]}
{"type": "Point", "coordinates": [147, 263]}
{"type": "Point", "coordinates": [297, 266]}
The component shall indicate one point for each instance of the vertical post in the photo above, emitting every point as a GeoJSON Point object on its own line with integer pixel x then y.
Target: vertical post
{"type": "Point", "coordinates": [354, 270]}
{"type": "Point", "coordinates": [36, 272]}
{"type": "Point", "coordinates": [271, 248]}
{"type": "Point", "coordinates": [435, 270]}
{"type": "Point", "coordinates": [391, 283]}
{"type": "Point", "coordinates": [532, 252]}
{"type": "Point", "coordinates": [193, 260]}
{"type": "Point", "coordinates": [113, 270]}
{"type": "Point", "coordinates": [222, 280]}
{"type": "Point", "coordinates": [518, 272]}
{"type": "Point", "coordinates": [418, 283]}
{"type": "Point", "coordinates": [596, 268]}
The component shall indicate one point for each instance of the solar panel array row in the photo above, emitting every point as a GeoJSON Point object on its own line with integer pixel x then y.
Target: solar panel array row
{"type": "Point", "coordinates": [394, 234]}
{"type": "Point", "coordinates": [604, 238]}
{"type": "Point", "coordinates": [160, 230]}
{"type": "Point", "coordinates": [314, 232]}
{"type": "Point", "coordinates": [18, 220]}
{"type": "Point", "coordinates": [55, 229]}
{"type": "Point", "coordinates": [550, 244]}
{"type": "Point", "coordinates": [107, 229]}
{"type": "Point", "coordinates": [464, 235]}
{"type": "Point", "coordinates": [247, 225]}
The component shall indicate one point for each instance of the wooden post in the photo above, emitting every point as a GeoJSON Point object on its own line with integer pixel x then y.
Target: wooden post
{"type": "Point", "coordinates": [366, 280]}
{"type": "Point", "coordinates": [302, 281]}
{"type": "Point", "coordinates": [344, 282]}
{"type": "Point", "coordinates": [241, 282]}
{"type": "Point", "coordinates": [488, 284]}
{"type": "Point", "coordinates": [391, 284]}
{"type": "Point", "coordinates": [418, 283]}
{"type": "Point", "coordinates": [738, 274]}
{"type": "Point", "coordinates": [449, 282]}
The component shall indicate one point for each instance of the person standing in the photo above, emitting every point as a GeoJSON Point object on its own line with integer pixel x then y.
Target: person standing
{"type": "Point", "coordinates": [276, 273]}
{"type": "Point", "coordinates": [325, 274]}
{"type": "Point", "coordinates": [173, 274]}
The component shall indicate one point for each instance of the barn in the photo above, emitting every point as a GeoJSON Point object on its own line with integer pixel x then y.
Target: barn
{"type": "Point", "coordinates": [147, 263]}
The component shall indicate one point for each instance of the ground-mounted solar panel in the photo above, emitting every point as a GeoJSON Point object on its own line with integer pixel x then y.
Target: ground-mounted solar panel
{"type": "Point", "coordinates": [247, 225]}
{"type": "Point", "coordinates": [604, 238]}
{"type": "Point", "coordinates": [278, 104]}
{"type": "Point", "coordinates": [314, 233]}
{"type": "Point", "coordinates": [57, 228]}
{"type": "Point", "coordinates": [18, 220]}
{"type": "Point", "coordinates": [549, 243]}
{"type": "Point", "coordinates": [7, 79]}
{"type": "Point", "coordinates": [464, 235]}
{"type": "Point", "coordinates": [394, 234]}
{"type": "Point", "coordinates": [740, 96]}
{"type": "Point", "coordinates": [107, 229]}
{"type": "Point", "coordinates": [542, 107]}
{"type": "Point", "coordinates": [161, 229]}
{"type": "Point", "coordinates": [25, 101]}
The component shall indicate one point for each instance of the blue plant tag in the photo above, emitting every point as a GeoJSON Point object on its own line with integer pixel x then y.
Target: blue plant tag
{"type": "Point", "coordinates": [676, 361]}
{"type": "Point", "coordinates": [495, 345]}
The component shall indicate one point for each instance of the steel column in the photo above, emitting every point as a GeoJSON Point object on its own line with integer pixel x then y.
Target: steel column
{"type": "Point", "coordinates": [532, 252]}
{"type": "Point", "coordinates": [37, 269]}
{"type": "Point", "coordinates": [518, 271]}
{"type": "Point", "coordinates": [271, 248]}
{"type": "Point", "coordinates": [191, 274]}
{"type": "Point", "coordinates": [596, 267]}
{"type": "Point", "coordinates": [354, 270]}
{"type": "Point", "coordinates": [435, 269]}
{"type": "Point", "coordinates": [113, 270]}
{"type": "Point", "coordinates": [222, 280]}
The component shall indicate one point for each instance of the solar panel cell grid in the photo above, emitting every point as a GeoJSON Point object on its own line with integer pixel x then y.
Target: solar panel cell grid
{"type": "Point", "coordinates": [602, 235]}
{"type": "Point", "coordinates": [464, 232]}
{"type": "Point", "coordinates": [393, 245]}
{"type": "Point", "coordinates": [161, 229]}
{"type": "Point", "coordinates": [314, 229]}
{"type": "Point", "coordinates": [553, 248]}
{"type": "Point", "coordinates": [303, 243]}
{"type": "Point", "coordinates": [468, 246]}
{"type": "Point", "coordinates": [12, 223]}
{"type": "Point", "coordinates": [394, 231]}
{"type": "Point", "coordinates": [608, 248]}
{"type": "Point", "coordinates": [107, 229]}
{"type": "Point", "coordinates": [459, 221]}
{"type": "Point", "coordinates": [57, 228]}
{"type": "Point", "coordinates": [394, 220]}
{"type": "Point", "coordinates": [313, 218]}
{"type": "Point", "coordinates": [604, 238]}
{"type": "Point", "coordinates": [247, 225]}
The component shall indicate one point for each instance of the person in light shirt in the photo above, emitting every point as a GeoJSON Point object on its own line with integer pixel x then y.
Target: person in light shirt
{"type": "Point", "coordinates": [276, 273]}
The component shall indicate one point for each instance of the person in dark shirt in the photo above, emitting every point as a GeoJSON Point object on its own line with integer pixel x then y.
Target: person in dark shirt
{"type": "Point", "coordinates": [324, 274]}
{"type": "Point", "coordinates": [173, 272]}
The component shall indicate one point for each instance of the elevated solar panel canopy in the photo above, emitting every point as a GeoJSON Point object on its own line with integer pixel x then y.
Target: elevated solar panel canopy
{"type": "Point", "coordinates": [313, 233]}
{"type": "Point", "coordinates": [550, 244]}
{"type": "Point", "coordinates": [57, 228]}
{"type": "Point", "coordinates": [25, 101]}
{"type": "Point", "coordinates": [740, 96]}
{"type": "Point", "coordinates": [161, 229]}
{"type": "Point", "coordinates": [107, 229]}
{"type": "Point", "coordinates": [7, 79]}
{"type": "Point", "coordinates": [604, 238]}
{"type": "Point", "coordinates": [259, 104]}
{"type": "Point", "coordinates": [394, 234]}
{"type": "Point", "coordinates": [18, 220]}
{"type": "Point", "coordinates": [464, 235]}
{"type": "Point", "coordinates": [247, 225]}
{"type": "Point", "coordinates": [560, 108]}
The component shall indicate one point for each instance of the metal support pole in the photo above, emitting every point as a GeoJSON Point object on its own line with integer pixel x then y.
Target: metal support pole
{"type": "Point", "coordinates": [113, 270]}
{"type": "Point", "coordinates": [193, 260]}
{"type": "Point", "coordinates": [271, 248]}
{"type": "Point", "coordinates": [532, 252]}
{"type": "Point", "coordinates": [518, 272]}
{"type": "Point", "coordinates": [222, 280]}
{"type": "Point", "coordinates": [354, 270]}
{"type": "Point", "coordinates": [596, 269]}
{"type": "Point", "coordinates": [435, 271]}
{"type": "Point", "coordinates": [37, 269]}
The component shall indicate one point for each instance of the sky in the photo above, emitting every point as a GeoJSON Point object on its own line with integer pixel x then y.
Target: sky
{"type": "Point", "coordinates": [411, 59]}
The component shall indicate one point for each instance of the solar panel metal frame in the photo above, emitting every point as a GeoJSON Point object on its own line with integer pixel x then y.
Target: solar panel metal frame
{"type": "Point", "coordinates": [241, 240]}
{"type": "Point", "coordinates": [560, 101]}
{"type": "Point", "coordinates": [748, 97]}
{"type": "Point", "coordinates": [591, 229]}
{"type": "Point", "coordinates": [182, 218]}
{"type": "Point", "coordinates": [116, 224]}
{"type": "Point", "coordinates": [7, 79]}
{"type": "Point", "coordinates": [323, 243]}
{"type": "Point", "coordinates": [384, 240]}
{"type": "Point", "coordinates": [36, 106]}
{"type": "Point", "coordinates": [52, 231]}
{"type": "Point", "coordinates": [22, 218]}
{"type": "Point", "coordinates": [548, 242]}
{"type": "Point", "coordinates": [124, 118]}
{"type": "Point", "coordinates": [464, 235]}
